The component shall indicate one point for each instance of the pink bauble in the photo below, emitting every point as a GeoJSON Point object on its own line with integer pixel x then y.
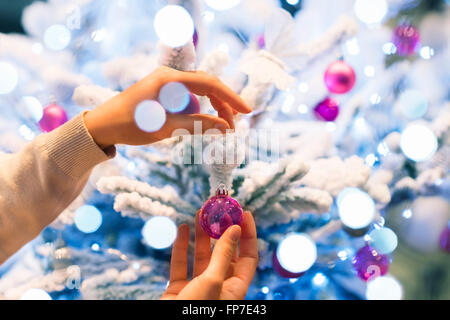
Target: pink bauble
{"type": "Point", "coordinates": [195, 38]}
{"type": "Point", "coordinates": [280, 270]}
{"type": "Point", "coordinates": [261, 41]}
{"type": "Point", "coordinates": [54, 116]}
{"type": "Point", "coordinates": [219, 213]}
{"type": "Point", "coordinates": [370, 264]}
{"type": "Point", "coordinates": [339, 77]}
{"type": "Point", "coordinates": [327, 109]}
{"type": "Point", "coordinates": [407, 39]}
{"type": "Point", "coordinates": [192, 107]}
{"type": "Point", "coordinates": [444, 240]}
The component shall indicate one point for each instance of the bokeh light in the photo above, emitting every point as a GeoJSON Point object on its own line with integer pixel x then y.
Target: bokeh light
{"type": "Point", "coordinates": [159, 232]}
{"type": "Point", "coordinates": [174, 97]}
{"type": "Point", "coordinates": [150, 116]}
{"type": "Point", "coordinates": [88, 219]}
{"type": "Point", "coordinates": [356, 208]}
{"type": "Point", "coordinates": [371, 11]}
{"type": "Point", "coordinates": [174, 26]}
{"type": "Point", "coordinates": [412, 104]}
{"type": "Point", "coordinates": [9, 77]}
{"type": "Point", "coordinates": [297, 252]}
{"type": "Point", "coordinates": [35, 294]}
{"type": "Point", "coordinates": [383, 240]}
{"type": "Point", "coordinates": [384, 288]}
{"type": "Point", "coordinates": [57, 37]}
{"type": "Point", "coordinates": [33, 107]}
{"type": "Point", "coordinates": [221, 5]}
{"type": "Point", "coordinates": [418, 142]}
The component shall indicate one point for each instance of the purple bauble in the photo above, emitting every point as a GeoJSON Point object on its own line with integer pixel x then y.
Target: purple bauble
{"type": "Point", "coordinates": [327, 109]}
{"type": "Point", "coordinates": [339, 77]}
{"type": "Point", "coordinates": [192, 107]}
{"type": "Point", "coordinates": [280, 270]}
{"type": "Point", "coordinates": [195, 38]}
{"type": "Point", "coordinates": [219, 213]}
{"type": "Point", "coordinates": [444, 240]}
{"type": "Point", "coordinates": [370, 264]}
{"type": "Point", "coordinates": [407, 39]}
{"type": "Point", "coordinates": [261, 41]}
{"type": "Point", "coordinates": [54, 116]}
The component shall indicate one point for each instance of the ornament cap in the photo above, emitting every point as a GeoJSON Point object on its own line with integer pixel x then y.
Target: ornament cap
{"type": "Point", "coordinates": [222, 190]}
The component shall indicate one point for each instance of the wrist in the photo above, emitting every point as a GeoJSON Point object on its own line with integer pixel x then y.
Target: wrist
{"type": "Point", "coordinates": [97, 131]}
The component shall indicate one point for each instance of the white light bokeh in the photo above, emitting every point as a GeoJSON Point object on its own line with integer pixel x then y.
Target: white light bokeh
{"type": "Point", "coordinates": [369, 71]}
{"type": "Point", "coordinates": [8, 77]}
{"type": "Point", "coordinates": [384, 288]}
{"type": "Point", "coordinates": [265, 290]}
{"type": "Point", "coordinates": [426, 52]}
{"type": "Point", "coordinates": [88, 219]}
{"type": "Point", "coordinates": [159, 232]}
{"type": "Point", "coordinates": [418, 142]}
{"type": "Point", "coordinates": [389, 48]}
{"type": "Point", "coordinates": [150, 116]}
{"type": "Point", "coordinates": [222, 5]}
{"type": "Point", "coordinates": [35, 294]}
{"type": "Point", "coordinates": [352, 46]}
{"type": "Point", "coordinates": [174, 26]}
{"type": "Point", "coordinates": [174, 96]}
{"type": "Point", "coordinates": [383, 240]}
{"type": "Point", "coordinates": [356, 208]}
{"type": "Point", "coordinates": [319, 279]}
{"type": "Point", "coordinates": [33, 107]}
{"type": "Point", "coordinates": [57, 37]}
{"type": "Point", "coordinates": [412, 103]}
{"type": "Point", "coordinates": [297, 252]}
{"type": "Point", "coordinates": [371, 11]}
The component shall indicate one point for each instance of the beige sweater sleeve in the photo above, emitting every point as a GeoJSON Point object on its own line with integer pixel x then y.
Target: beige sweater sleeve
{"type": "Point", "coordinates": [39, 182]}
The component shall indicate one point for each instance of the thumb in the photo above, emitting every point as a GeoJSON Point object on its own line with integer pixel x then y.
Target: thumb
{"type": "Point", "coordinates": [223, 252]}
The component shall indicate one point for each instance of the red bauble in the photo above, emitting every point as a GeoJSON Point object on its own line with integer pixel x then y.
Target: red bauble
{"type": "Point", "coordinates": [54, 116]}
{"type": "Point", "coordinates": [327, 109]}
{"type": "Point", "coordinates": [339, 77]}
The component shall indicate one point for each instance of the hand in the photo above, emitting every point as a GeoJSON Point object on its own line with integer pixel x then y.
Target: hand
{"type": "Point", "coordinates": [113, 122]}
{"type": "Point", "coordinates": [225, 274]}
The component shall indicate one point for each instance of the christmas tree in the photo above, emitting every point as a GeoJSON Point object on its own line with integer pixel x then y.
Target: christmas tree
{"type": "Point", "coordinates": [343, 162]}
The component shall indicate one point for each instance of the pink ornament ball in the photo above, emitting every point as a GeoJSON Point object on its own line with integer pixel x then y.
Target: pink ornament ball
{"type": "Point", "coordinates": [327, 110]}
{"type": "Point", "coordinates": [370, 264]}
{"type": "Point", "coordinates": [219, 213]}
{"type": "Point", "coordinates": [261, 41]}
{"type": "Point", "coordinates": [192, 107]}
{"type": "Point", "coordinates": [195, 38]}
{"type": "Point", "coordinates": [407, 39]}
{"type": "Point", "coordinates": [444, 240]}
{"type": "Point", "coordinates": [339, 77]}
{"type": "Point", "coordinates": [54, 116]}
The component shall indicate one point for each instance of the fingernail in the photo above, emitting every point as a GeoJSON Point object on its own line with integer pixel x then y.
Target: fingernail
{"type": "Point", "coordinates": [221, 127]}
{"type": "Point", "coordinates": [235, 233]}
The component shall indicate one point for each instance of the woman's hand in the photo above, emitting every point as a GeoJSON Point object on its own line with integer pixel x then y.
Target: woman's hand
{"type": "Point", "coordinates": [113, 122]}
{"type": "Point", "coordinates": [225, 274]}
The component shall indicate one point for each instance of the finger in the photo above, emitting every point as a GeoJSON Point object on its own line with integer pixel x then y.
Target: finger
{"type": "Point", "coordinates": [205, 85]}
{"type": "Point", "coordinates": [185, 124]}
{"type": "Point", "coordinates": [202, 253]}
{"type": "Point", "coordinates": [248, 258]}
{"type": "Point", "coordinates": [223, 253]}
{"type": "Point", "coordinates": [224, 110]}
{"type": "Point", "coordinates": [178, 263]}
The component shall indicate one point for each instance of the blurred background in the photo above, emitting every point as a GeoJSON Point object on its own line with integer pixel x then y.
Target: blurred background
{"type": "Point", "coordinates": [396, 54]}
